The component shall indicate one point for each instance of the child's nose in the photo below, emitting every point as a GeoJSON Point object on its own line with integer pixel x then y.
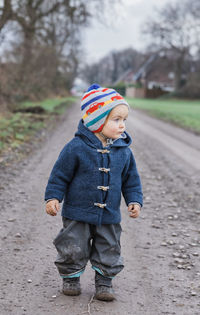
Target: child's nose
{"type": "Point", "coordinates": [122, 124]}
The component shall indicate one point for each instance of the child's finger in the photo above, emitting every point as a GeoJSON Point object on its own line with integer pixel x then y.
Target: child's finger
{"type": "Point", "coordinates": [130, 208]}
{"type": "Point", "coordinates": [54, 213]}
{"type": "Point", "coordinates": [134, 213]}
{"type": "Point", "coordinates": [57, 206]}
{"type": "Point", "coordinates": [55, 209]}
{"type": "Point", "coordinates": [50, 209]}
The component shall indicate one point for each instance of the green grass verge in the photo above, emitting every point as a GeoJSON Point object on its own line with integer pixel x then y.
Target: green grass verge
{"type": "Point", "coordinates": [17, 128]}
{"type": "Point", "coordinates": [183, 113]}
{"type": "Point", "coordinates": [50, 105]}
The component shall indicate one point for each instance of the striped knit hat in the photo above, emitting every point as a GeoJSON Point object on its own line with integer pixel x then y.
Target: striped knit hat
{"type": "Point", "coordinates": [97, 103]}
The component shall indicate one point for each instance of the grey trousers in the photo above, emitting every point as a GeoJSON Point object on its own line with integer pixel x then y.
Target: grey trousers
{"type": "Point", "coordinates": [78, 242]}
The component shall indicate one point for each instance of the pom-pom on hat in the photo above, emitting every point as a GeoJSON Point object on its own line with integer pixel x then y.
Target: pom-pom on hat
{"type": "Point", "coordinates": [97, 103]}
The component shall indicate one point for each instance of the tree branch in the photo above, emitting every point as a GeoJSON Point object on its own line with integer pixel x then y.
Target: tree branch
{"type": "Point", "coordinates": [7, 13]}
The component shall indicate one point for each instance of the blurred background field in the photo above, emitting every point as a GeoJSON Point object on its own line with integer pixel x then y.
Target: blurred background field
{"type": "Point", "coordinates": [183, 113]}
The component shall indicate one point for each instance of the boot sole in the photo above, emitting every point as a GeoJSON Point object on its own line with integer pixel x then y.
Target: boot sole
{"type": "Point", "coordinates": [72, 292]}
{"type": "Point", "coordinates": [104, 296]}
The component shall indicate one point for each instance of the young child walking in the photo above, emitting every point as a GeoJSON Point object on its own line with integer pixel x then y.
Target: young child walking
{"type": "Point", "coordinates": [89, 175]}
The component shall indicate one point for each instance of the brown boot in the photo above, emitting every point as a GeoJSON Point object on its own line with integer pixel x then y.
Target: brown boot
{"type": "Point", "coordinates": [71, 286]}
{"type": "Point", "coordinates": [104, 290]}
{"type": "Point", "coordinates": [104, 293]}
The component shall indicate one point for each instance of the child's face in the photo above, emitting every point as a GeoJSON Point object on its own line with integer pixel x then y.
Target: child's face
{"type": "Point", "coordinates": [115, 122]}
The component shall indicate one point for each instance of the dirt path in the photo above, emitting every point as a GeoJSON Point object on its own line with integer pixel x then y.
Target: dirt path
{"type": "Point", "coordinates": [161, 249]}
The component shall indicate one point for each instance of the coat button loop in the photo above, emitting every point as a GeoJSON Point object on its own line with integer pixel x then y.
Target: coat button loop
{"type": "Point", "coordinates": [100, 205]}
{"type": "Point", "coordinates": [103, 151]}
{"type": "Point", "coordinates": [103, 169]}
{"type": "Point", "coordinates": [104, 188]}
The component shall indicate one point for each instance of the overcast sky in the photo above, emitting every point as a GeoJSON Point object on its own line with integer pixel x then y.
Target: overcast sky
{"type": "Point", "coordinates": [123, 30]}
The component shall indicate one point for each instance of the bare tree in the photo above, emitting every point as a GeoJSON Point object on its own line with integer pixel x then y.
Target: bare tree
{"type": "Point", "coordinates": [5, 13]}
{"type": "Point", "coordinates": [46, 41]}
{"type": "Point", "coordinates": [35, 17]}
{"type": "Point", "coordinates": [111, 67]}
{"type": "Point", "coordinates": [176, 30]}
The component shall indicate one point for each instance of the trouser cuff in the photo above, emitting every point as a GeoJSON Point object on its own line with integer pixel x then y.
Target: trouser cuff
{"type": "Point", "coordinates": [98, 270]}
{"type": "Point", "coordinates": [76, 274]}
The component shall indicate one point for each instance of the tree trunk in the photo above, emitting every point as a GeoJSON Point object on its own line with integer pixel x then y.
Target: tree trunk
{"type": "Point", "coordinates": [178, 71]}
{"type": "Point", "coordinates": [27, 55]}
{"type": "Point", "coordinates": [6, 13]}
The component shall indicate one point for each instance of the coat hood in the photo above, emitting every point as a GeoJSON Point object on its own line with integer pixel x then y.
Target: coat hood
{"type": "Point", "coordinates": [89, 137]}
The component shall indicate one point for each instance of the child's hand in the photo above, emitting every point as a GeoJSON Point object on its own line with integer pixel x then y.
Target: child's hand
{"type": "Point", "coordinates": [134, 210]}
{"type": "Point", "coordinates": [52, 207]}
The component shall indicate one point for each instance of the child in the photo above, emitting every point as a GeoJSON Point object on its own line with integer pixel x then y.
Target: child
{"type": "Point", "coordinates": [91, 172]}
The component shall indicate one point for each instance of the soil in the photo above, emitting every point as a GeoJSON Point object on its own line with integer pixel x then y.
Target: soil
{"type": "Point", "coordinates": [161, 248]}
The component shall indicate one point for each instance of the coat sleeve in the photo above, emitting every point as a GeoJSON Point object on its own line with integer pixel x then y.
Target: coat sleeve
{"type": "Point", "coordinates": [61, 174]}
{"type": "Point", "coordinates": [131, 183]}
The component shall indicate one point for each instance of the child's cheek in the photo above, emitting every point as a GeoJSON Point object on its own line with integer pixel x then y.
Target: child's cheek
{"type": "Point", "coordinates": [113, 128]}
{"type": "Point", "coordinates": [114, 125]}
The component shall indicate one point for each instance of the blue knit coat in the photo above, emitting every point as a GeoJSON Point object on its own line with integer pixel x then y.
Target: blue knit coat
{"type": "Point", "coordinates": [90, 178]}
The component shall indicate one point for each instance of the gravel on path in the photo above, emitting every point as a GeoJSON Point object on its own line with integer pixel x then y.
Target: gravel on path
{"type": "Point", "coordinates": [161, 248]}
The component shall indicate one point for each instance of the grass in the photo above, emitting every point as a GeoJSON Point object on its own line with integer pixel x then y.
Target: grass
{"type": "Point", "coordinates": [183, 113]}
{"type": "Point", "coordinates": [50, 105]}
{"type": "Point", "coordinates": [17, 128]}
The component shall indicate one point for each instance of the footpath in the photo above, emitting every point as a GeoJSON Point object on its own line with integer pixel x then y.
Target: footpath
{"type": "Point", "coordinates": [161, 248]}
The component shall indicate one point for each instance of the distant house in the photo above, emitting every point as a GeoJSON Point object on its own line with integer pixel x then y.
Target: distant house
{"type": "Point", "coordinates": [155, 77]}
{"type": "Point", "coordinates": [126, 77]}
